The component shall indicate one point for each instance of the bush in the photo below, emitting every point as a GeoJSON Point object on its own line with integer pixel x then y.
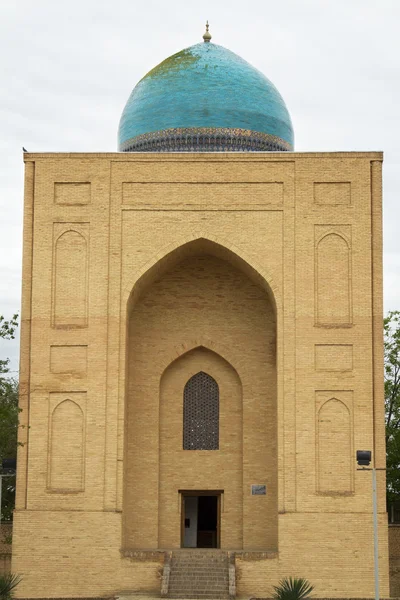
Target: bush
{"type": "Point", "coordinates": [8, 581]}
{"type": "Point", "coordinates": [292, 589]}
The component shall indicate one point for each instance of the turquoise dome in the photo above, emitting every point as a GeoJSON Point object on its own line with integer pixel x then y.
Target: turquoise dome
{"type": "Point", "coordinates": [205, 98]}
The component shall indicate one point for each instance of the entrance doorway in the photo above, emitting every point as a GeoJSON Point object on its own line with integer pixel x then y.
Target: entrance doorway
{"type": "Point", "coordinates": [201, 519]}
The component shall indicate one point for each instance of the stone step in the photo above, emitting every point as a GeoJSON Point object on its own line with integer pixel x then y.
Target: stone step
{"type": "Point", "coordinates": [203, 589]}
{"type": "Point", "coordinates": [209, 555]}
{"type": "Point", "coordinates": [196, 560]}
{"type": "Point", "coordinates": [201, 575]}
{"type": "Point", "coordinates": [209, 559]}
{"type": "Point", "coordinates": [196, 566]}
{"type": "Point", "coordinates": [198, 576]}
{"type": "Point", "coordinates": [198, 595]}
{"type": "Point", "coordinates": [210, 570]}
{"type": "Point", "coordinates": [188, 582]}
{"type": "Point", "coordinates": [210, 563]}
{"type": "Point", "coordinates": [185, 567]}
{"type": "Point", "coordinates": [194, 588]}
{"type": "Point", "coordinates": [199, 557]}
{"type": "Point", "coordinates": [199, 561]}
{"type": "Point", "coordinates": [198, 569]}
{"type": "Point", "coordinates": [205, 577]}
{"type": "Point", "coordinates": [198, 585]}
{"type": "Point", "coordinates": [198, 580]}
{"type": "Point", "coordinates": [203, 593]}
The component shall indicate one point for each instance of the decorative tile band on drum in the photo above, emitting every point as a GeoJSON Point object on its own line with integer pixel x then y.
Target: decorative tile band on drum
{"type": "Point", "coordinates": [205, 139]}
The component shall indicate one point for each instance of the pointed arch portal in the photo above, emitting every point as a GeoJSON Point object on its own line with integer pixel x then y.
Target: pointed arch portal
{"type": "Point", "coordinates": [182, 395]}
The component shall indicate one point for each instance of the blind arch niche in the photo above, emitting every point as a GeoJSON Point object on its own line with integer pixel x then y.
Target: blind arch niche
{"type": "Point", "coordinates": [201, 413]}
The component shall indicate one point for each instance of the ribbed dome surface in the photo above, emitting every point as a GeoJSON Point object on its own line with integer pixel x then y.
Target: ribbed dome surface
{"type": "Point", "coordinates": [205, 98]}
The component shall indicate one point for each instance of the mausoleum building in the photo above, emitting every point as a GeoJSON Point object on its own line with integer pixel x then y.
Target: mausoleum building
{"type": "Point", "coordinates": [201, 351]}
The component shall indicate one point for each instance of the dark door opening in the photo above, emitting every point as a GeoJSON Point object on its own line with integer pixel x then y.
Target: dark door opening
{"type": "Point", "coordinates": [200, 520]}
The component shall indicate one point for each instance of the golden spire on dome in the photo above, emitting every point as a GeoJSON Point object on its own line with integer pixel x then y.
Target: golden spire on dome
{"type": "Point", "coordinates": [207, 35]}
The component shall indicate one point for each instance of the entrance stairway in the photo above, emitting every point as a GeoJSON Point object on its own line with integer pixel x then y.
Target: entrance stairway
{"type": "Point", "coordinates": [200, 574]}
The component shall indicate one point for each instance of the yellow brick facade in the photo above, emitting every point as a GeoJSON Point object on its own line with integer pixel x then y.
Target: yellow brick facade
{"type": "Point", "coordinates": [140, 270]}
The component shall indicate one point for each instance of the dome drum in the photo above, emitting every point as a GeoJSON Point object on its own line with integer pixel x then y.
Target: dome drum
{"type": "Point", "coordinates": [205, 139]}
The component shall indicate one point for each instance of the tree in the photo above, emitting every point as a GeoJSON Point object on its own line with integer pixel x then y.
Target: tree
{"type": "Point", "coordinates": [8, 418]}
{"type": "Point", "coordinates": [391, 326]}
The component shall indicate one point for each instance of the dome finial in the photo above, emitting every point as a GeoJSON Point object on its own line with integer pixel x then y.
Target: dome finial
{"type": "Point", "coordinates": [207, 35]}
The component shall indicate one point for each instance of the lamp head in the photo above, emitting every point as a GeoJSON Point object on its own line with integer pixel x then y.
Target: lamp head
{"type": "Point", "coordinates": [363, 458]}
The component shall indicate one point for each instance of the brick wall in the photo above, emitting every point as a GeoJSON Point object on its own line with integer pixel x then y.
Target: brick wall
{"type": "Point", "coordinates": [284, 252]}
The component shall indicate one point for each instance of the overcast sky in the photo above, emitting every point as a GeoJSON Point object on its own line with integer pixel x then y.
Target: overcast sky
{"type": "Point", "coordinates": [67, 69]}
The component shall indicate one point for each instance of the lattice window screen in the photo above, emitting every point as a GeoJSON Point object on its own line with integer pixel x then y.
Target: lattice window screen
{"type": "Point", "coordinates": [201, 413]}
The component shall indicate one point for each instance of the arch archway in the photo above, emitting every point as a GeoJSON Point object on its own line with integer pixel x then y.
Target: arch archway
{"type": "Point", "coordinates": [200, 291]}
{"type": "Point", "coordinates": [202, 469]}
{"type": "Point", "coordinates": [194, 245]}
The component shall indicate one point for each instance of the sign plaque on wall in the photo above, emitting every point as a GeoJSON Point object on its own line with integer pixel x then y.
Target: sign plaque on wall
{"type": "Point", "coordinates": [258, 489]}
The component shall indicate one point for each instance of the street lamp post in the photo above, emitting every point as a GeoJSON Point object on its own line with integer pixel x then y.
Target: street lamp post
{"type": "Point", "coordinates": [364, 460]}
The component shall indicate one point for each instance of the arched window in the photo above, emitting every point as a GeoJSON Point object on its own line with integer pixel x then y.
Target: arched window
{"type": "Point", "coordinates": [201, 413]}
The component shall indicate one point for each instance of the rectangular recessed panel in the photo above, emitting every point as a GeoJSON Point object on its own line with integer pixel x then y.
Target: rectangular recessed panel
{"type": "Point", "coordinates": [72, 193]}
{"type": "Point", "coordinates": [212, 196]}
{"type": "Point", "coordinates": [334, 357]}
{"type": "Point", "coordinates": [332, 193]}
{"type": "Point", "coordinates": [68, 359]}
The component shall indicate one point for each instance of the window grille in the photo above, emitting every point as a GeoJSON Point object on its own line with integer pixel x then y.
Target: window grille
{"type": "Point", "coordinates": [201, 413]}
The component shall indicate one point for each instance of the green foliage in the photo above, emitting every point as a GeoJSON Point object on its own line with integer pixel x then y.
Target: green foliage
{"type": "Point", "coordinates": [9, 424]}
{"type": "Point", "coordinates": [7, 332]}
{"type": "Point", "coordinates": [292, 589]}
{"type": "Point", "coordinates": [391, 327]}
{"type": "Point", "coordinates": [8, 582]}
{"type": "Point", "coordinates": [9, 412]}
{"type": "Point", "coordinates": [7, 539]}
{"type": "Point", "coordinates": [7, 328]}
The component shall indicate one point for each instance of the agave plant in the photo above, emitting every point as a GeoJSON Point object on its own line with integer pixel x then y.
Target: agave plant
{"type": "Point", "coordinates": [292, 589]}
{"type": "Point", "coordinates": [8, 581]}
